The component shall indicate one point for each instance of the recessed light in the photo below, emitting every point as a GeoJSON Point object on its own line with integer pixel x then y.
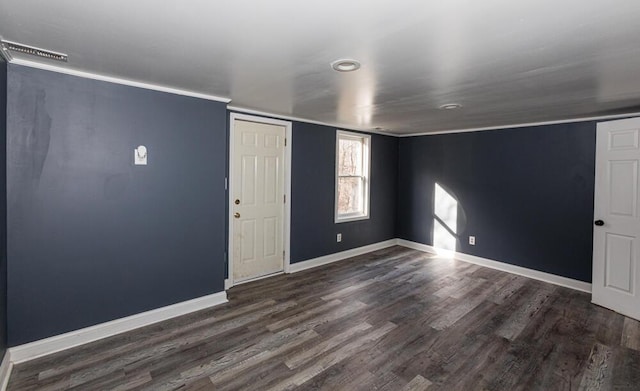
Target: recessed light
{"type": "Point", "coordinates": [345, 65]}
{"type": "Point", "coordinates": [450, 106]}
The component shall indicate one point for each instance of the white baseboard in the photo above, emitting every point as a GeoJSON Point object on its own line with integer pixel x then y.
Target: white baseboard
{"type": "Point", "coordinates": [315, 262]}
{"type": "Point", "coordinates": [505, 267]}
{"type": "Point", "coordinates": [5, 370]}
{"type": "Point", "coordinates": [71, 339]}
{"type": "Point", "coordinates": [227, 284]}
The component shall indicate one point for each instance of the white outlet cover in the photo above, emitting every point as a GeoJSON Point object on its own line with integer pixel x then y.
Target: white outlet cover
{"type": "Point", "coordinates": [472, 240]}
{"type": "Point", "coordinates": [140, 156]}
{"type": "Point", "coordinates": [339, 238]}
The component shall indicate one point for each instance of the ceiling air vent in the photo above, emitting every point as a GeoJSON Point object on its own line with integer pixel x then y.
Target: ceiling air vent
{"type": "Point", "coordinates": [20, 48]}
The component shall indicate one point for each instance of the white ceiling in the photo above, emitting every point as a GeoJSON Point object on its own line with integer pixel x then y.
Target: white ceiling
{"type": "Point", "coordinates": [507, 62]}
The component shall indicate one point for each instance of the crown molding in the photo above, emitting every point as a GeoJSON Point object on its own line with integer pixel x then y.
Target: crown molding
{"type": "Point", "coordinates": [116, 80]}
{"type": "Point", "coordinates": [240, 109]}
{"type": "Point", "coordinates": [177, 91]}
{"type": "Point", "coordinates": [523, 125]}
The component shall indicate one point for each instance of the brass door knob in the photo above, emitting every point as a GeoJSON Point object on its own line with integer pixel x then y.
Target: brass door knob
{"type": "Point", "coordinates": [236, 215]}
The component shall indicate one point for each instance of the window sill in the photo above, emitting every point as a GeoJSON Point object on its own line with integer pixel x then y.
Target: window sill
{"type": "Point", "coordinates": [347, 219]}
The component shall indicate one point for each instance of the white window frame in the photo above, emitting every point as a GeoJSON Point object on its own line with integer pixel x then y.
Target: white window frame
{"type": "Point", "coordinates": [366, 170]}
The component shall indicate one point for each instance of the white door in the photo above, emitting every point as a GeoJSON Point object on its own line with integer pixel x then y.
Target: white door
{"type": "Point", "coordinates": [257, 199]}
{"type": "Point", "coordinates": [616, 234]}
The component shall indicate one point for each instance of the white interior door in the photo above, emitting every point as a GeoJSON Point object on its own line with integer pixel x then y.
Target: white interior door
{"type": "Point", "coordinates": [616, 262]}
{"type": "Point", "coordinates": [258, 199]}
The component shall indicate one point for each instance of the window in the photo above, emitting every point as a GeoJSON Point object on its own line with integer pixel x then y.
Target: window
{"type": "Point", "coordinates": [352, 176]}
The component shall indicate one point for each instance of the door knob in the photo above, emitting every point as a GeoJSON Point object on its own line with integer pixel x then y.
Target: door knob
{"type": "Point", "coordinates": [599, 223]}
{"type": "Point", "coordinates": [237, 202]}
{"type": "Point", "coordinates": [236, 215]}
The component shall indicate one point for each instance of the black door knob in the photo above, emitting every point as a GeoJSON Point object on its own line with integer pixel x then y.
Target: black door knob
{"type": "Point", "coordinates": [599, 223]}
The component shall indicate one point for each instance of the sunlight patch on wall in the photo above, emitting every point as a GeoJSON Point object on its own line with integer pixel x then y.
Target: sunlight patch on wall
{"type": "Point", "coordinates": [445, 222]}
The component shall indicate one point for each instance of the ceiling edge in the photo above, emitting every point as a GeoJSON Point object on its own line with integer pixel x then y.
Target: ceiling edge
{"type": "Point", "coordinates": [300, 119]}
{"type": "Point", "coordinates": [117, 80]}
{"type": "Point", "coordinates": [157, 87]}
{"type": "Point", "coordinates": [524, 125]}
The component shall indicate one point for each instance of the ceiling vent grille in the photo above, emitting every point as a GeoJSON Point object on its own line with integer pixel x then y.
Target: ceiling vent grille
{"type": "Point", "coordinates": [33, 51]}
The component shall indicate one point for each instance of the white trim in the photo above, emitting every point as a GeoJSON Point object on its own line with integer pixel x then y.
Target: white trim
{"type": "Point", "coordinates": [117, 80]}
{"type": "Point", "coordinates": [305, 120]}
{"type": "Point", "coordinates": [227, 284]}
{"type": "Point", "coordinates": [505, 267]}
{"type": "Point", "coordinates": [177, 91]}
{"type": "Point", "coordinates": [236, 283]}
{"type": "Point", "coordinates": [287, 188]}
{"type": "Point", "coordinates": [524, 125]}
{"type": "Point", "coordinates": [366, 174]}
{"type": "Point", "coordinates": [71, 339]}
{"type": "Point", "coordinates": [5, 370]}
{"type": "Point", "coordinates": [315, 262]}
{"type": "Point", "coordinates": [499, 127]}
{"type": "Point", "coordinates": [288, 168]}
{"type": "Point", "coordinates": [502, 266]}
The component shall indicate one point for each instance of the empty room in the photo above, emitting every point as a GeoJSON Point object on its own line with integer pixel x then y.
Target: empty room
{"type": "Point", "coordinates": [304, 195]}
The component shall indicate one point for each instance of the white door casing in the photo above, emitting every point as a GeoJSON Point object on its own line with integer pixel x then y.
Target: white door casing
{"type": "Point", "coordinates": [616, 236]}
{"type": "Point", "coordinates": [259, 180]}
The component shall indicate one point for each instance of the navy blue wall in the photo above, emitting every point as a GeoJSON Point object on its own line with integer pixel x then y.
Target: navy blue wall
{"type": "Point", "coordinates": [91, 237]}
{"type": "Point", "coordinates": [526, 194]}
{"type": "Point", "coordinates": [313, 231]}
{"type": "Point", "coordinates": [3, 207]}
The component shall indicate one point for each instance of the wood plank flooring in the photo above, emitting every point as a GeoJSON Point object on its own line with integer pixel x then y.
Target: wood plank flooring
{"type": "Point", "coordinates": [394, 319]}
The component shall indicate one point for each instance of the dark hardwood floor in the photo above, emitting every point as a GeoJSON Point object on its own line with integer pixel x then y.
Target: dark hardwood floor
{"type": "Point", "coordinates": [395, 319]}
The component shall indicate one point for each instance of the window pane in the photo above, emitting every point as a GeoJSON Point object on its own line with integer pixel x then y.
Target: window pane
{"type": "Point", "coordinates": [350, 157]}
{"type": "Point", "coordinates": [350, 195]}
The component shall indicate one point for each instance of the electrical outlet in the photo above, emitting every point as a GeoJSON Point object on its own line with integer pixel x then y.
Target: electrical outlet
{"type": "Point", "coordinates": [472, 240]}
{"type": "Point", "coordinates": [339, 238]}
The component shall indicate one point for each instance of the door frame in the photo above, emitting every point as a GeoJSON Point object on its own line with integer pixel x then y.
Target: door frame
{"type": "Point", "coordinates": [286, 217]}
